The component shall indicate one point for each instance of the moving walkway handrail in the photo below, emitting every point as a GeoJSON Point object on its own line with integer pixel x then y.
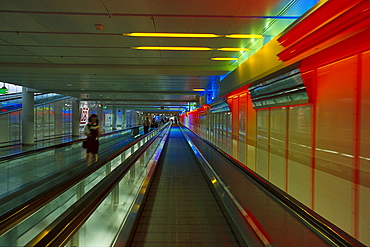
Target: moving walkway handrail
{"type": "Point", "coordinates": [62, 229]}
{"type": "Point", "coordinates": [15, 96]}
{"type": "Point", "coordinates": [317, 222]}
{"type": "Point", "coordinates": [52, 147]}
{"type": "Point", "coordinates": [12, 217]}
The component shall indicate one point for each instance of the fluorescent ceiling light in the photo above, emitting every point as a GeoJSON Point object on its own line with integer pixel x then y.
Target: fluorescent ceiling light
{"type": "Point", "coordinates": [232, 49]}
{"type": "Point", "coordinates": [194, 35]}
{"type": "Point", "coordinates": [174, 35]}
{"type": "Point", "coordinates": [224, 58]}
{"type": "Point", "coordinates": [173, 48]}
{"type": "Point", "coordinates": [244, 36]}
{"type": "Point", "coordinates": [199, 89]}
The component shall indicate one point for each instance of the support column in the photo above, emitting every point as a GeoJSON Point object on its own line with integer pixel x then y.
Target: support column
{"type": "Point", "coordinates": [100, 116]}
{"type": "Point", "coordinates": [58, 118]}
{"type": "Point", "coordinates": [123, 124]}
{"type": "Point", "coordinates": [28, 115]}
{"type": "Point", "coordinates": [114, 118]}
{"type": "Point", "coordinates": [76, 117]}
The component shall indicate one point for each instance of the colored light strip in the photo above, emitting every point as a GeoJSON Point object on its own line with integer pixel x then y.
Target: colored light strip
{"type": "Point", "coordinates": [188, 48]}
{"type": "Point", "coordinates": [199, 90]}
{"type": "Point", "coordinates": [174, 35]}
{"type": "Point", "coordinates": [244, 36]}
{"type": "Point", "coordinates": [232, 49]}
{"type": "Point", "coordinates": [194, 35]}
{"type": "Point", "coordinates": [173, 48]}
{"type": "Point", "coordinates": [224, 58]}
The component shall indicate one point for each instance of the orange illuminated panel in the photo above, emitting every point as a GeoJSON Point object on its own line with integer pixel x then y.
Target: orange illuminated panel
{"type": "Point", "coordinates": [334, 151]}
{"type": "Point", "coordinates": [364, 154]}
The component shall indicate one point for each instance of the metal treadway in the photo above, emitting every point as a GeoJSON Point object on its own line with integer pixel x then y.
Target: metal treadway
{"type": "Point", "coordinates": [181, 209]}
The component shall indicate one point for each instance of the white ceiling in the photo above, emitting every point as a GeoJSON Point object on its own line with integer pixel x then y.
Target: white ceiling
{"type": "Point", "coordinates": [53, 45]}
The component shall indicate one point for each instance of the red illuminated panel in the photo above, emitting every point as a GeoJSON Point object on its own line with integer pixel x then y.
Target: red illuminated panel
{"type": "Point", "coordinates": [330, 27]}
{"type": "Point", "coordinates": [321, 16]}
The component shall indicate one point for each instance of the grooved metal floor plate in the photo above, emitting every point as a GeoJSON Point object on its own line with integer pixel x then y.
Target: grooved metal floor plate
{"type": "Point", "coordinates": [181, 209]}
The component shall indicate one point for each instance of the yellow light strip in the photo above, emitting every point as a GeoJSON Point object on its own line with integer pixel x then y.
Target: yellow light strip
{"type": "Point", "coordinates": [224, 59]}
{"type": "Point", "coordinates": [232, 49]}
{"type": "Point", "coordinates": [173, 48]}
{"type": "Point", "coordinates": [199, 90]}
{"type": "Point", "coordinates": [244, 36]}
{"type": "Point", "coordinates": [174, 35]}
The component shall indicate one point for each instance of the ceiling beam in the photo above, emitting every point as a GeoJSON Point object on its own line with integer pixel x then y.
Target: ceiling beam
{"type": "Point", "coordinates": [125, 69]}
{"type": "Point", "coordinates": [149, 15]}
{"type": "Point", "coordinates": [133, 92]}
{"type": "Point", "coordinates": [143, 100]}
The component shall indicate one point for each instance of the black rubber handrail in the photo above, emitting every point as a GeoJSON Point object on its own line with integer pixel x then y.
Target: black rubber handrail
{"type": "Point", "coordinates": [62, 229]}
{"type": "Point", "coordinates": [321, 225]}
{"type": "Point", "coordinates": [12, 217]}
{"type": "Point", "coordinates": [52, 147]}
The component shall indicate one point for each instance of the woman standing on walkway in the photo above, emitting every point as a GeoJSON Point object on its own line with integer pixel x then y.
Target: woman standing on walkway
{"type": "Point", "coordinates": [92, 131]}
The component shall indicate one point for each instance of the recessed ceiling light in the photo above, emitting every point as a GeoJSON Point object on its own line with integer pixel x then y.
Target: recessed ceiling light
{"type": "Point", "coordinates": [174, 35]}
{"type": "Point", "coordinates": [172, 48]}
{"type": "Point", "coordinates": [193, 35]}
{"type": "Point", "coordinates": [224, 58]}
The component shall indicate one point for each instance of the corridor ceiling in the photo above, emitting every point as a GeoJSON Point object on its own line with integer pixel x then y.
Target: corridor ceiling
{"type": "Point", "coordinates": [54, 45]}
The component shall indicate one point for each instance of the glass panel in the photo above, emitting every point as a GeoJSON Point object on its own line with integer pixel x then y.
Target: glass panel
{"type": "Point", "coordinates": [300, 148]}
{"type": "Point", "coordinates": [263, 135]}
{"type": "Point", "coordinates": [364, 166]}
{"type": "Point", "coordinates": [29, 228]}
{"type": "Point", "coordinates": [335, 142]}
{"type": "Point", "coordinates": [114, 209]}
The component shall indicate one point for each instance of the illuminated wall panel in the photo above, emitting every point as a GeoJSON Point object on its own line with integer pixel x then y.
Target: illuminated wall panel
{"type": "Point", "coordinates": [242, 128]}
{"type": "Point", "coordinates": [335, 142]}
{"type": "Point", "coordinates": [228, 132]}
{"type": "Point", "coordinates": [364, 161]}
{"type": "Point", "coordinates": [235, 126]}
{"type": "Point", "coordinates": [251, 135]}
{"type": "Point", "coordinates": [278, 132]}
{"type": "Point", "coordinates": [299, 153]}
{"type": "Point", "coordinates": [4, 123]}
{"type": "Point", "coordinates": [263, 136]}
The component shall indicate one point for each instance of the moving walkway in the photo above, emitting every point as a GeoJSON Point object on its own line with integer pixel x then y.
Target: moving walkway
{"type": "Point", "coordinates": [175, 189]}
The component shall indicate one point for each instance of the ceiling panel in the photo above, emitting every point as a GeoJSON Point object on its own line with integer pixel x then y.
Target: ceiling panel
{"type": "Point", "coordinates": [212, 25]}
{"type": "Point", "coordinates": [20, 22]}
{"type": "Point", "coordinates": [23, 59]}
{"type": "Point", "coordinates": [174, 25]}
{"type": "Point", "coordinates": [63, 52]}
{"type": "Point", "coordinates": [174, 7]}
{"type": "Point", "coordinates": [87, 23]}
{"type": "Point", "coordinates": [134, 24]}
{"type": "Point", "coordinates": [93, 60]}
{"type": "Point", "coordinates": [30, 5]}
{"type": "Point", "coordinates": [91, 6]}
{"type": "Point", "coordinates": [128, 6]}
{"type": "Point", "coordinates": [12, 51]}
{"type": "Point", "coordinates": [17, 39]}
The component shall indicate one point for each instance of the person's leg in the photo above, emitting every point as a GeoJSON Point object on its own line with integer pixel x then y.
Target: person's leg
{"type": "Point", "coordinates": [96, 158]}
{"type": "Point", "coordinates": [88, 158]}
